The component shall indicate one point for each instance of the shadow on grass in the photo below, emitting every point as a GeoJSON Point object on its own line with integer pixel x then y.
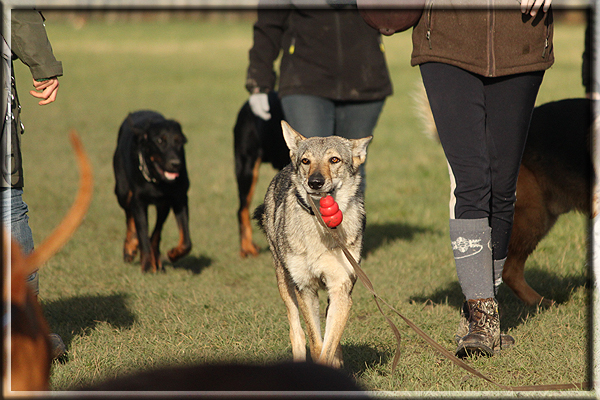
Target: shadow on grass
{"type": "Point", "coordinates": [79, 315]}
{"type": "Point", "coordinates": [358, 358]}
{"type": "Point", "coordinates": [192, 263]}
{"type": "Point", "coordinates": [513, 311]}
{"type": "Point", "coordinates": [377, 235]}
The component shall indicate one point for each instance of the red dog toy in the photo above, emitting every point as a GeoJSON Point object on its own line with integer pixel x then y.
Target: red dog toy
{"type": "Point", "coordinates": [332, 215]}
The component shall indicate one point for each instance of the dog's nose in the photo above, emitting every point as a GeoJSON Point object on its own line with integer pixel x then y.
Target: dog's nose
{"type": "Point", "coordinates": [316, 181]}
{"type": "Point", "coordinates": [174, 164]}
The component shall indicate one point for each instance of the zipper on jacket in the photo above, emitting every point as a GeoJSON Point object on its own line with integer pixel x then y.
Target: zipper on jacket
{"type": "Point", "coordinates": [545, 48]}
{"type": "Point", "coordinates": [491, 49]}
{"type": "Point", "coordinates": [292, 48]}
{"type": "Point", "coordinates": [547, 24]}
{"type": "Point", "coordinates": [428, 24]}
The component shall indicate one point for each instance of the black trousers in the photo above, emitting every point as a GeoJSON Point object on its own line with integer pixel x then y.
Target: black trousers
{"type": "Point", "coordinates": [482, 123]}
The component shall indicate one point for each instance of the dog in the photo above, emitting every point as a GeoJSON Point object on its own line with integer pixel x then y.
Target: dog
{"type": "Point", "coordinates": [306, 258]}
{"type": "Point", "coordinates": [149, 166]}
{"type": "Point", "coordinates": [255, 141]}
{"type": "Point", "coordinates": [556, 177]}
{"type": "Point", "coordinates": [30, 347]}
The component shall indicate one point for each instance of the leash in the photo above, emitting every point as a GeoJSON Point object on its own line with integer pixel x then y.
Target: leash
{"type": "Point", "coordinates": [442, 350]}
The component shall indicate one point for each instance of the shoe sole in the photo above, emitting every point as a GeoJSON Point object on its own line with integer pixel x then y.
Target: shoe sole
{"type": "Point", "coordinates": [468, 350]}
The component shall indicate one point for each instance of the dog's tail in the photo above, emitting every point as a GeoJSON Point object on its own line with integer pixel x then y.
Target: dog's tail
{"type": "Point", "coordinates": [258, 214]}
{"type": "Point", "coordinates": [423, 111]}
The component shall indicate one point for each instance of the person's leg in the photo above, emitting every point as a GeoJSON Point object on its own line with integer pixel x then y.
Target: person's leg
{"type": "Point", "coordinates": [457, 101]}
{"type": "Point", "coordinates": [458, 104]}
{"type": "Point", "coordinates": [510, 102]}
{"type": "Point", "coordinates": [309, 115]}
{"type": "Point", "coordinates": [356, 120]}
{"type": "Point", "coordinates": [14, 216]}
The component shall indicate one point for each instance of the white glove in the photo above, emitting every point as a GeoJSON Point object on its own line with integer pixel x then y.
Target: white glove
{"type": "Point", "coordinates": [259, 103]}
{"type": "Point", "coordinates": [533, 6]}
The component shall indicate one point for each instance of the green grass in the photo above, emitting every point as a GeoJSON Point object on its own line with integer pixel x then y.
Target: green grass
{"type": "Point", "coordinates": [214, 306]}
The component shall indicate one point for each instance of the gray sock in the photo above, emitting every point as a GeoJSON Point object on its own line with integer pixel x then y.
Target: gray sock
{"type": "Point", "coordinates": [498, 267]}
{"type": "Point", "coordinates": [471, 244]}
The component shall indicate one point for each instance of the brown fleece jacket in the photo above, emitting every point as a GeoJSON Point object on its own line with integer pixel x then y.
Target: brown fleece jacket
{"type": "Point", "coordinates": [489, 42]}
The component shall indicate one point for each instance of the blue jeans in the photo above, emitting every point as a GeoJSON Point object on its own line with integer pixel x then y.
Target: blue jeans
{"type": "Point", "coordinates": [14, 210]}
{"type": "Point", "coordinates": [318, 116]}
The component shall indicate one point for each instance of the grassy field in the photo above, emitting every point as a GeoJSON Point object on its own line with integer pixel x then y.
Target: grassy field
{"type": "Point", "coordinates": [214, 306]}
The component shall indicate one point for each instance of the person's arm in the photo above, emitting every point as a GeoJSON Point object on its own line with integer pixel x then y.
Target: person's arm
{"type": "Point", "coordinates": [30, 44]}
{"type": "Point", "coordinates": [268, 34]}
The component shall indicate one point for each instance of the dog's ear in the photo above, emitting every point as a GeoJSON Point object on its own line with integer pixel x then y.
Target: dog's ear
{"type": "Point", "coordinates": [359, 150]}
{"type": "Point", "coordinates": [292, 138]}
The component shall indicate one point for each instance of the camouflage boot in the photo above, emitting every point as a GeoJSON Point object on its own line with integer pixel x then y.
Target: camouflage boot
{"type": "Point", "coordinates": [506, 341]}
{"type": "Point", "coordinates": [483, 336]}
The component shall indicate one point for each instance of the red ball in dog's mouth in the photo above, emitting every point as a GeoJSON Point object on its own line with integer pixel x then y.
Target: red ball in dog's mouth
{"type": "Point", "coordinates": [330, 211]}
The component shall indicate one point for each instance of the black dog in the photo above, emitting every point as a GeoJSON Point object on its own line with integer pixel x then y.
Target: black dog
{"type": "Point", "coordinates": [255, 141]}
{"type": "Point", "coordinates": [149, 165]}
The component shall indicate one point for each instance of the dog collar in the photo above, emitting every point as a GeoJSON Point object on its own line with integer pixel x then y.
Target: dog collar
{"type": "Point", "coordinates": [303, 203]}
{"type": "Point", "coordinates": [144, 168]}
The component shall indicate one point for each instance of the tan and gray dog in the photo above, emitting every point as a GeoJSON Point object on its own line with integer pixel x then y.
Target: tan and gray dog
{"type": "Point", "coordinates": [306, 258]}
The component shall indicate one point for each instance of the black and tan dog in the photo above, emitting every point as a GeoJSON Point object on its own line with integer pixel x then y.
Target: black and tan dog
{"type": "Point", "coordinates": [556, 177]}
{"type": "Point", "coordinates": [149, 166]}
{"type": "Point", "coordinates": [255, 141]}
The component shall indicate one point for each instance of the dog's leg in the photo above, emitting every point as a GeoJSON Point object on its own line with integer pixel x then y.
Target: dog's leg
{"type": "Point", "coordinates": [139, 213]}
{"type": "Point", "coordinates": [185, 244]}
{"type": "Point", "coordinates": [130, 247]}
{"type": "Point", "coordinates": [308, 300]}
{"type": "Point", "coordinates": [532, 221]}
{"type": "Point", "coordinates": [162, 211]}
{"type": "Point", "coordinates": [339, 289]}
{"type": "Point", "coordinates": [287, 291]}
{"type": "Point", "coordinates": [246, 187]}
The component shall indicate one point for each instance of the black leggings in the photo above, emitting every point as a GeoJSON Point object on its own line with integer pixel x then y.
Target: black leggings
{"type": "Point", "coordinates": [482, 123]}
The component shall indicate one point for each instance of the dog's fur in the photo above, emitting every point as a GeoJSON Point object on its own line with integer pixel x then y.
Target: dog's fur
{"type": "Point", "coordinates": [556, 177]}
{"type": "Point", "coordinates": [255, 141]}
{"type": "Point", "coordinates": [149, 166]}
{"type": "Point", "coordinates": [306, 258]}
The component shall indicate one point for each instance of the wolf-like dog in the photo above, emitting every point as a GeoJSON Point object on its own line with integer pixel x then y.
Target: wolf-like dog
{"type": "Point", "coordinates": [306, 257]}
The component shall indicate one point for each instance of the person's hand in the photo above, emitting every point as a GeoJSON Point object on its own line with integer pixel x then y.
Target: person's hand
{"type": "Point", "coordinates": [45, 90]}
{"type": "Point", "coordinates": [532, 6]}
{"type": "Point", "coordinates": [259, 104]}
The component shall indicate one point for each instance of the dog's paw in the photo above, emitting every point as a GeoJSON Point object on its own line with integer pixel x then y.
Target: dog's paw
{"type": "Point", "coordinates": [178, 252]}
{"type": "Point", "coordinates": [251, 250]}
{"type": "Point", "coordinates": [128, 257]}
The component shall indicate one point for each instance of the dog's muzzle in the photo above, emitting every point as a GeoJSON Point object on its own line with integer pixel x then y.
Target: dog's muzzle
{"type": "Point", "coordinates": [316, 181]}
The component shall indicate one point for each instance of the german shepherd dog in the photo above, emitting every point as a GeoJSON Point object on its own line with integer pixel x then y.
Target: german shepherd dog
{"type": "Point", "coordinates": [256, 141]}
{"type": "Point", "coordinates": [149, 166]}
{"type": "Point", "coordinates": [556, 177]}
{"type": "Point", "coordinates": [306, 258]}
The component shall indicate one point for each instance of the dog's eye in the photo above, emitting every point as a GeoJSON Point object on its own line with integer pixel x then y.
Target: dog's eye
{"type": "Point", "coordinates": [305, 161]}
{"type": "Point", "coordinates": [334, 160]}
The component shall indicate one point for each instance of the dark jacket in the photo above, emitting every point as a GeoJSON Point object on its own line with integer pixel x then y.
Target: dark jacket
{"type": "Point", "coordinates": [30, 44]}
{"type": "Point", "coordinates": [489, 42]}
{"type": "Point", "coordinates": [328, 53]}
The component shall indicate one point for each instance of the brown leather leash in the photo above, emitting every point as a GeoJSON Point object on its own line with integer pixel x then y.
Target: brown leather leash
{"type": "Point", "coordinates": [442, 350]}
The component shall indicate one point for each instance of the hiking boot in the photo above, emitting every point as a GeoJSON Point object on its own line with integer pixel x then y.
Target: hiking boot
{"type": "Point", "coordinates": [506, 341]}
{"type": "Point", "coordinates": [483, 336]}
{"type": "Point", "coordinates": [57, 346]}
